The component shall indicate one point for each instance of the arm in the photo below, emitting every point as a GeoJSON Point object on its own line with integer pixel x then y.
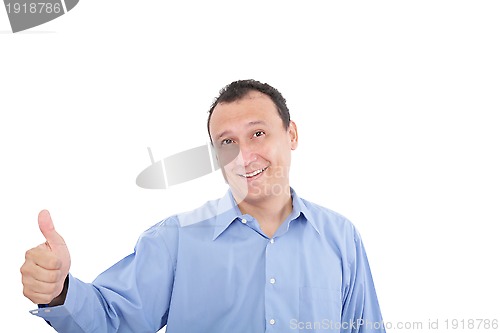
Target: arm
{"type": "Point", "coordinates": [131, 296]}
{"type": "Point", "coordinates": [360, 303]}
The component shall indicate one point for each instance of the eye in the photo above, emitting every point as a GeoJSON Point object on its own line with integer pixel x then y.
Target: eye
{"type": "Point", "coordinates": [226, 142]}
{"type": "Point", "coordinates": [258, 133]}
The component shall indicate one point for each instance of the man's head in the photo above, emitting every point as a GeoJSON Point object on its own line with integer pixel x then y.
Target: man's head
{"type": "Point", "coordinates": [250, 128]}
{"type": "Point", "coordinates": [239, 89]}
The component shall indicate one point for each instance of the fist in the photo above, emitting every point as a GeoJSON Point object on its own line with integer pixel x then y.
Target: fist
{"type": "Point", "coordinates": [46, 266]}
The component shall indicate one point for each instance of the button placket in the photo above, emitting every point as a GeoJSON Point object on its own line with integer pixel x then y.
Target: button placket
{"type": "Point", "coordinates": [271, 296]}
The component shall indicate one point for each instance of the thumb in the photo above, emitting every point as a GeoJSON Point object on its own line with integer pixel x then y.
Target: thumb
{"type": "Point", "coordinates": [49, 232]}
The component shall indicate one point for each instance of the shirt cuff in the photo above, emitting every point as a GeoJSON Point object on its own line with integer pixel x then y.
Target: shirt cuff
{"type": "Point", "coordinates": [49, 313]}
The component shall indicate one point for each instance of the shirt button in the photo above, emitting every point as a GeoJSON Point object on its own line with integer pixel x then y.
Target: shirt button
{"type": "Point", "coordinates": [272, 321]}
{"type": "Point", "coordinates": [272, 280]}
{"type": "Point", "coordinates": [243, 220]}
{"type": "Point", "coordinates": [272, 240]}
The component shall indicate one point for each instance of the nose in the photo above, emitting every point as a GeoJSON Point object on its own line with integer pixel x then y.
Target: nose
{"type": "Point", "coordinates": [240, 155]}
{"type": "Point", "coordinates": [247, 155]}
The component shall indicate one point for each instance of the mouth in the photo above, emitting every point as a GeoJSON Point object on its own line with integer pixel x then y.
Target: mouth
{"type": "Point", "coordinates": [253, 174]}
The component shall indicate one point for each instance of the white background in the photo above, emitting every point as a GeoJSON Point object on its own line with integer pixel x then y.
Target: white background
{"type": "Point", "coordinates": [396, 103]}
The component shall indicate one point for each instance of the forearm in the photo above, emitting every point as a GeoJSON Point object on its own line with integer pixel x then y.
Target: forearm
{"type": "Point", "coordinates": [131, 296]}
{"type": "Point", "coordinates": [77, 309]}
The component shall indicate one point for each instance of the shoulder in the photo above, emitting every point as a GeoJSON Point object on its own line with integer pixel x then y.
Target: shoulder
{"type": "Point", "coordinates": [328, 221]}
{"type": "Point", "coordinates": [167, 233]}
{"type": "Point", "coordinates": [171, 224]}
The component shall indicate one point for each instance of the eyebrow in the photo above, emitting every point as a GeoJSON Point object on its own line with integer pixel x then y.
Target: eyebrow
{"type": "Point", "coordinates": [250, 124]}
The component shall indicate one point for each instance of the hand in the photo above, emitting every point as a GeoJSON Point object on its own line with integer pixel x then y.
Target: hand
{"type": "Point", "coordinates": [46, 266]}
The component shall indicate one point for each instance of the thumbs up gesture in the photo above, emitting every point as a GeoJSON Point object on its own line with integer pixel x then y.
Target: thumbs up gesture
{"type": "Point", "coordinates": [46, 266]}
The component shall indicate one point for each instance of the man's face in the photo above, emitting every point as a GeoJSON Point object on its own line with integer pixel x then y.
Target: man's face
{"type": "Point", "coordinates": [253, 147]}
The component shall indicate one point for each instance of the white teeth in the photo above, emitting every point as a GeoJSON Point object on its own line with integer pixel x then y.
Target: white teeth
{"type": "Point", "coordinates": [255, 173]}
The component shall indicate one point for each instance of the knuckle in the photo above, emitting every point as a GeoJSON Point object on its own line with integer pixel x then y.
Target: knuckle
{"type": "Point", "coordinates": [24, 280]}
{"type": "Point", "coordinates": [32, 296]}
{"type": "Point", "coordinates": [26, 293]}
{"type": "Point", "coordinates": [29, 254]}
{"type": "Point", "coordinates": [26, 270]}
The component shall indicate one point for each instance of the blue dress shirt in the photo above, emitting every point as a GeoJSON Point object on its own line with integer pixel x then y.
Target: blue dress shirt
{"type": "Point", "coordinates": [213, 270]}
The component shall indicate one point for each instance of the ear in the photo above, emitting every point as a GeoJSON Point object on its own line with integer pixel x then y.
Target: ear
{"type": "Point", "coordinates": [294, 136]}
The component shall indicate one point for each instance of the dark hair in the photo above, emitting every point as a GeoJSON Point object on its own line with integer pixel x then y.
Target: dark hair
{"type": "Point", "coordinates": [237, 90]}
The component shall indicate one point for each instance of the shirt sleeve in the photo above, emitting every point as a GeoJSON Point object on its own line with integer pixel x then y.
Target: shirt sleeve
{"type": "Point", "coordinates": [131, 296]}
{"type": "Point", "coordinates": [361, 310]}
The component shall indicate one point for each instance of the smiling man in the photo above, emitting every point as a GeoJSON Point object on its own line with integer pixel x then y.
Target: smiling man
{"type": "Point", "coordinates": [250, 127]}
{"type": "Point", "coordinates": [260, 259]}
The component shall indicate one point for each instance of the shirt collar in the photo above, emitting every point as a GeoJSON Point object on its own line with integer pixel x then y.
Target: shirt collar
{"type": "Point", "coordinates": [300, 208]}
{"type": "Point", "coordinates": [228, 211]}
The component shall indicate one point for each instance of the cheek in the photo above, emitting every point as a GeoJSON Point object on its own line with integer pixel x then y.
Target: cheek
{"type": "Point", "coordinates": [280, 159]}
{"type": "Point", "coordinates": [279, 152]}
{"type": "Point", "coordinates": [227, 155]}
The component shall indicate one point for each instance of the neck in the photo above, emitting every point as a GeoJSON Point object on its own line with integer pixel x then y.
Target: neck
{"type": "Point", "coordinates": [270, 211]}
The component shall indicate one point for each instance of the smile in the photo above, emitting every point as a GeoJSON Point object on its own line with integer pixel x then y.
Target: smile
{"type": "Point", "coordinates": [254, 173]}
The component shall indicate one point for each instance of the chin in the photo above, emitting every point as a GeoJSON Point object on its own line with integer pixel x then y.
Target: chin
{"type": "Point", "coordinates": [240, 191]}
{"type": "Point", "coordinates": [248, 194]}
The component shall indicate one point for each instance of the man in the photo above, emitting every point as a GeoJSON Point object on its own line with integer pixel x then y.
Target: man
{"type": "Point", "coordinates": [260, 259]}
